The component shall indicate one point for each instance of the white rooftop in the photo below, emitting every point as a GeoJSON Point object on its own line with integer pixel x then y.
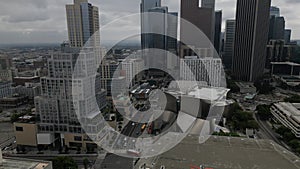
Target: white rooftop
{"type": "Point", "coordinates": [290, 109]}
{"type": "Point", "coordinates": [15, 163]}
{"type": "Point", "coordinates": [285, 63]}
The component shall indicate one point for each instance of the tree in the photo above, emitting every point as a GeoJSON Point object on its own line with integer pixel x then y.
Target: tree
{"type": "Point", "coordinates": [294, 144]}
{"type": "Point", "coordinates": [281, 130]}
{"type": "Point", "coordinates": [78, 150]}
{"type": "Point", "coordinates": [264, 112]}
{"type": "Point", "coordinates": [63, 162]}
{"type": "Point", "coordinates": [66, 149]}
{"type": "Point", "coordinates": [60, 149]}
{"type": "Point", "coordinates": [86, 163]}
{"type": "Point", "coordinates": [263, 87]}
{"type": "Point", "coordinates": [14, 117]}
{"type": "Point", "coordinates": [293, 99]}
{"type": "Point", "coordinates": [23, 149]}
{"type": "Point", "coordinates": [40, 148]}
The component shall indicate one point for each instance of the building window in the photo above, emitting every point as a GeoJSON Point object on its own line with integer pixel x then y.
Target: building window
{"type": "Point", "coordinates": [19, 128]}
{"type": "Point", "coordinates": [77, 138]}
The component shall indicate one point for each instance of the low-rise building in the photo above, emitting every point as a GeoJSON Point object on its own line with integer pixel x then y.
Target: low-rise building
{"type": "Point", "coordinates": [246, 87]}
{"type": "Point", "coordinates": [13, 102]}
{"type": "Point", "coordinates": [30, 90]}
{"type": "Point", "coordinates": [288, 114]}
{"type": "Point", "coordinates": [25, 131]}
{"type": "Point", "coordinates": [19, 163]}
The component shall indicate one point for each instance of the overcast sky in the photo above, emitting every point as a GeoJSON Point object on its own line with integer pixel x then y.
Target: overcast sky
{"type": "Point", "coordinates": [44, 21]}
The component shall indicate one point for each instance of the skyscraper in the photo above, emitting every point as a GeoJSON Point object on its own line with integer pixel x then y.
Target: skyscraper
{"type": "Point", "coordinates": [277, 24]}
{"type": "Point", "coordinates": [218, 28]}
{"type": "Point", "coordinates": [252, 23]}
{"type": "Point", "coordinates": [201, 17]}
{"type": "Point", "coordinates": [287, 35]}
{"type": "Point", "coordinates": [229, 43]}
{"type": "Point", "coordinates": [172, 30]}
{"type": "Point", "coordinates": [208, 4]}
{"type": "Point", "coordinates": [274, 11]}
{"type": "Point", "coordinates": [83, 22]}
{"type": "Point", "coordinates": [145, 6]}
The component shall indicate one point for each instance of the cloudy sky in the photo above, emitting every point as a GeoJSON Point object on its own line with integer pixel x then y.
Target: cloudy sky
{"type": "Point", "coordinates": [44, 21]}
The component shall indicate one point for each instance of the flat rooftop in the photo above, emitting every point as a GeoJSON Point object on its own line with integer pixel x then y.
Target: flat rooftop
{"type": "Point", "coordinates": [290, 109]}
{"type": "Point", "coordinates": [15, 163]}
{"type": "Point", "coordinates": [225, 153]}
{"type": "Point", "coordinates": [285, 63]}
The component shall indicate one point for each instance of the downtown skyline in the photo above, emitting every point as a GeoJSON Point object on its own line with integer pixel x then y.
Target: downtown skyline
{"type": "Point", "coordinates": [44, 22]}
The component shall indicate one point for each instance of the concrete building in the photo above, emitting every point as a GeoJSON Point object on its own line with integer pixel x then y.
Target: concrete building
{"type": "Point", "coordinates": [246, 87]}
{"type": "Point", "coordinates": [107, 71]}
{"type": "Point", "coordinates": [30, 90]}
{"type": "Point", "coordinates": [252, 23]}
{"type": "Point", "coordinates": [19, 163]}
{"type": "Point", "coordinates": [130, 69]}
{"type": "Point", "coordinates": [26, 131]}
{"type": "Point", "coordinates": [229, 43]}
{"type": "Point", "coordinates": [232, 152]}
{"type": "Point", "coordinates": [13, 102]}
{"type": "Point", "coordinates": [55, 107]}
{"type": "Point", "coordinates": [206, 69]}
{"type": "Point", "coordinates": [5, 89]}
{"type": "Point", "coordinates": [83, 22]}
{"type": "Point", "coordinates": [279, 51]}
{"type": "Point", "coordinates": [288, 114]}
{"type": "Point", "coordinates": [285, 68]}
{"type": "Point", "coordinates": [6, 73]}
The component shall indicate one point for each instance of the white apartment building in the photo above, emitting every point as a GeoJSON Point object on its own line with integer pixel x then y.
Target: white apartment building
{"type": "Point", "coordinates": [130, 68]}
{"type": "Point", "coordinates": [204, 69]}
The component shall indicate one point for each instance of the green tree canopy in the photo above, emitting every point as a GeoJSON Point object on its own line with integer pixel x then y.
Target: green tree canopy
{"type": "Point", "coordinates": [63, 162]}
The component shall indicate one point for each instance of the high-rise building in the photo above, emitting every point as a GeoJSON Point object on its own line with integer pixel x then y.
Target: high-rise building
{"type": "Point", "coordinates": [287, 35]}
{"type": "Point", "coordinates": [274, 11]}
{"type": "Point", "coordinates": [229, 43]}
{"type": "Point", "coordinates": [145, 6]}
{"type": "Point", "coordinates": [218, 28]}
{"type": "Point", "coordinates": [83, 23]}
{"type": "Point", "coordinates": [252, 23]}
{"type": "Point", "coordinates": [201, 17]}
{"type": "Point", "coordinates": [172, 62]}
{"type": "Point", "coordinates": [56, 105]}
{"type": "Point", "coordinates": [172, 31]}
{"type": "Point", "coordinates": [208, 4]}
{"type": "Point", "coordinates": [276, 28]}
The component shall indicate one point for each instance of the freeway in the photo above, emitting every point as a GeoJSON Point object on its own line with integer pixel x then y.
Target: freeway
{"type": "Point", "coordinates": [269, 133]}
